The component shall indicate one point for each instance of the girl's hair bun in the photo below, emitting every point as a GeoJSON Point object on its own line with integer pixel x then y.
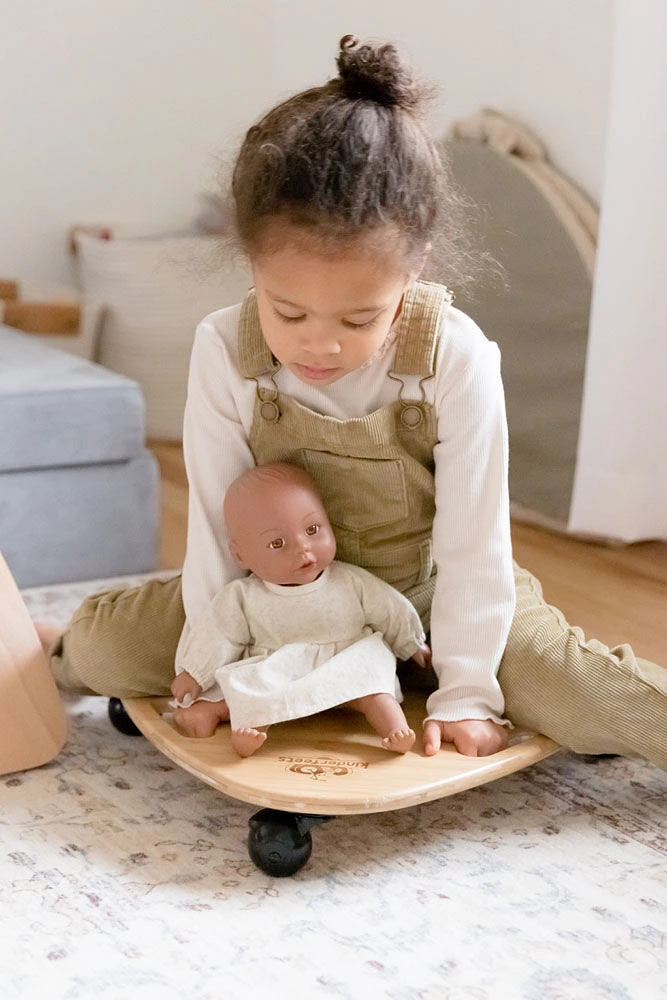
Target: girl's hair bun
{"type": "Point", "coordinates": [377, 73]}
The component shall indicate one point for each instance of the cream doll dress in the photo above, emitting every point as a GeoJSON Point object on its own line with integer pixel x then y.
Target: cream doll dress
{"type": "Point", "coordinates": [278, 653]}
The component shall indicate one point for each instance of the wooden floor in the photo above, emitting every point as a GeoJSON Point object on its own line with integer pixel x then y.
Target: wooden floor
{"type": "Point", "coordinates": [616, 594]}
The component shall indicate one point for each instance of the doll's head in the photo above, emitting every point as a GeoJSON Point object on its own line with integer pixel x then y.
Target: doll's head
{"type": "Point", "coordinates": [278, 527]}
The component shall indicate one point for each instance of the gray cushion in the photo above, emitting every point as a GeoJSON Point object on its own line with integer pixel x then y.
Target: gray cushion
{"type": "Point", "coordinates": [58, 525]}
{"type": "Point", "coordinates": [60, 410]}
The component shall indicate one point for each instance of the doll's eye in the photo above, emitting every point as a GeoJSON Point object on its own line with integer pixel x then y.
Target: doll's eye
{"type": "Point", "coordinates": [312, 529]}
{"type": "Point", "coordinates": [277, 543]}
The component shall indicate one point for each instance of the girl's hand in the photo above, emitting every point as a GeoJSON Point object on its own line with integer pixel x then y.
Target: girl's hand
{"type": "Point", "coordinates": [185, 684]}
{"type": "Point", "coordinates": [472, 737]}
{"type": "Point", "coordinates": [422, 656]}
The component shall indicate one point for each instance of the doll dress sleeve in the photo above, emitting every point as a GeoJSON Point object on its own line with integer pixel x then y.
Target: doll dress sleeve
{"type": "Point", "coordinates": [220, 635]}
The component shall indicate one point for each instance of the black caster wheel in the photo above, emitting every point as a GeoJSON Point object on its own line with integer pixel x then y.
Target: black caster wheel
{"type": "Point", "coordinates": [279, 842]}
{"type": "Point", "coordinates": [120, 720]}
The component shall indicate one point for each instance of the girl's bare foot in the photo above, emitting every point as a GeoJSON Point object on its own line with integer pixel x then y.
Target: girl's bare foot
{"type": "Point", "coordinates": [246, 741]}
{"type": "Point", "coordinates": [399, 741]}
{"type": "Point", "coordinates": [201, 719]}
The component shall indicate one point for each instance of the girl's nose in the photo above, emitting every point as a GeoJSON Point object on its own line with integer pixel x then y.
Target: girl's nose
{"type": "Point", "coordinates": [320, 342]}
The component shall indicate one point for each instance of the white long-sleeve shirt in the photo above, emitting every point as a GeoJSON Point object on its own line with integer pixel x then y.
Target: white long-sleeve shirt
{"type": "Point", "coordinates": [474, 590]}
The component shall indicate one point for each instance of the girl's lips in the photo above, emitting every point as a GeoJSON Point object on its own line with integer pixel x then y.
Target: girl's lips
{"type": "Point", "coordinates": [314, 374]}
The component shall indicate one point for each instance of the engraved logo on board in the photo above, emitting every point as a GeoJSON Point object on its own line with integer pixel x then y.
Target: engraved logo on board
{"type": "Point", "coordinates": [321, 768]}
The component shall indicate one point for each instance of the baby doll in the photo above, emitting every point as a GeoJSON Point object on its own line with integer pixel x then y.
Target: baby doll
{"type": "Point", "coordinates": [302, 633]}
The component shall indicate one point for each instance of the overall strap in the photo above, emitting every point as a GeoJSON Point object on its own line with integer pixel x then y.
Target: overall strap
{"type": "Point", "coordinates": [255, 358]}
{"type": "Point", "coordinates": [424, 305]}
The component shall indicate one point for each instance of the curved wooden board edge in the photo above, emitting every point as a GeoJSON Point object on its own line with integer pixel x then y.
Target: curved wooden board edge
{"type": "Point", "coordinates": [329, 765]}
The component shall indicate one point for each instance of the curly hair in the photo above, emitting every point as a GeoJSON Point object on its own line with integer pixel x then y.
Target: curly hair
{"type": "Point", "coordinates": [351, 157]}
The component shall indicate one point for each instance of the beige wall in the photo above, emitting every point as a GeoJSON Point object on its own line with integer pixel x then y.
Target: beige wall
{"type": "Point", "coordinates": [117, 110]}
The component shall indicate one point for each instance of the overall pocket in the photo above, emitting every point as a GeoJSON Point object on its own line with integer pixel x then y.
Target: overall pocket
{"type": "Point", "coordinates": [360, 494]}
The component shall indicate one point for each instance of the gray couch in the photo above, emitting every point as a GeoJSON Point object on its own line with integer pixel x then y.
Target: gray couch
{"type": "Point", "coordinates": [79, 492]}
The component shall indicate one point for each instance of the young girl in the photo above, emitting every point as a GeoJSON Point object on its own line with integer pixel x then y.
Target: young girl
{"type": "Point", "coordinates": [341, 361]}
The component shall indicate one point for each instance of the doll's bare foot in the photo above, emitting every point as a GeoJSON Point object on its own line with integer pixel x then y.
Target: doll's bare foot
{"type": "Point", "coordinates": [201, 719]}
{"type": "Point", "coordinates": [246, 741]}
{"type": "Point", "coordinates": [49, 633]}
{"type": "Point", "coordinates": [386, 716]}
{"type": "Point", "coordinates": [400, 741]}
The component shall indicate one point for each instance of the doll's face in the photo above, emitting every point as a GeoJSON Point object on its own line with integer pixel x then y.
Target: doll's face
{"type": "Point", "coordinates": [280, 532]}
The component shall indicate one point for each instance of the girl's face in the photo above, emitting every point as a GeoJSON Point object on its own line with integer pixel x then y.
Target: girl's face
{"type": "Point", "coordinates": [324, 315]}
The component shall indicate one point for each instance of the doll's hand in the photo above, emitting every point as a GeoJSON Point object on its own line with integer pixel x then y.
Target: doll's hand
{"type": "Point", "coordinates": [184, 684]}
{"type": "Point", "coordinates": [422, 656]}
{"type": "Point", "coordinates": [472, 737]}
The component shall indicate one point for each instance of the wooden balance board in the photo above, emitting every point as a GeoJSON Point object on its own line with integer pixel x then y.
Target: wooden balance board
{"type": "Point", "coordinates": [331, 763]}
{"type": "Point", "coordinates": [311, 769]}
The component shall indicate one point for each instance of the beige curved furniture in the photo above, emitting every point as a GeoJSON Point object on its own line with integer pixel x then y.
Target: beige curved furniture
{"type": "Point", "coordinates": [33, 725]}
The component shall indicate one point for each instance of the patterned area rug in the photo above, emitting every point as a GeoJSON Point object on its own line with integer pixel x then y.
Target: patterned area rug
{"type": "Point", "coordinates": [121, 876]}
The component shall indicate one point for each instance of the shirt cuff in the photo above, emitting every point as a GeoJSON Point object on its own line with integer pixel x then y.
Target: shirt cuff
{"type": "Point", "coordinates": [439, 708]}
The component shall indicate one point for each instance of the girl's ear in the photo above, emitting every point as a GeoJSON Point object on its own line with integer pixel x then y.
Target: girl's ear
{"type": "Point", "coordinates": [236, 554]}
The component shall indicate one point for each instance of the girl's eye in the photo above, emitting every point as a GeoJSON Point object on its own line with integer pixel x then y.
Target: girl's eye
{"type": "Point", "coordinates": [277, 543]}
{"type": "Point", "coordinates": [359, 326]}
{"type": "Point", "coordinates": [312, 529]}
{"type": "Point", "coordinates": [345, 322]}
{"type": "Point", "coordinates": [288, 319]}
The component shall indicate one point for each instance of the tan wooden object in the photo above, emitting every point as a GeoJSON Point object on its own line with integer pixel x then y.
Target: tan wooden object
{"type": "Point", "coordinates": [62, 318]}
{"type": "Point", "coordinates": [33, 725]}
{"type": "Point", "coordinates": [331, 764]}
{"type": "Point", "coordinates": [9, 290]}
